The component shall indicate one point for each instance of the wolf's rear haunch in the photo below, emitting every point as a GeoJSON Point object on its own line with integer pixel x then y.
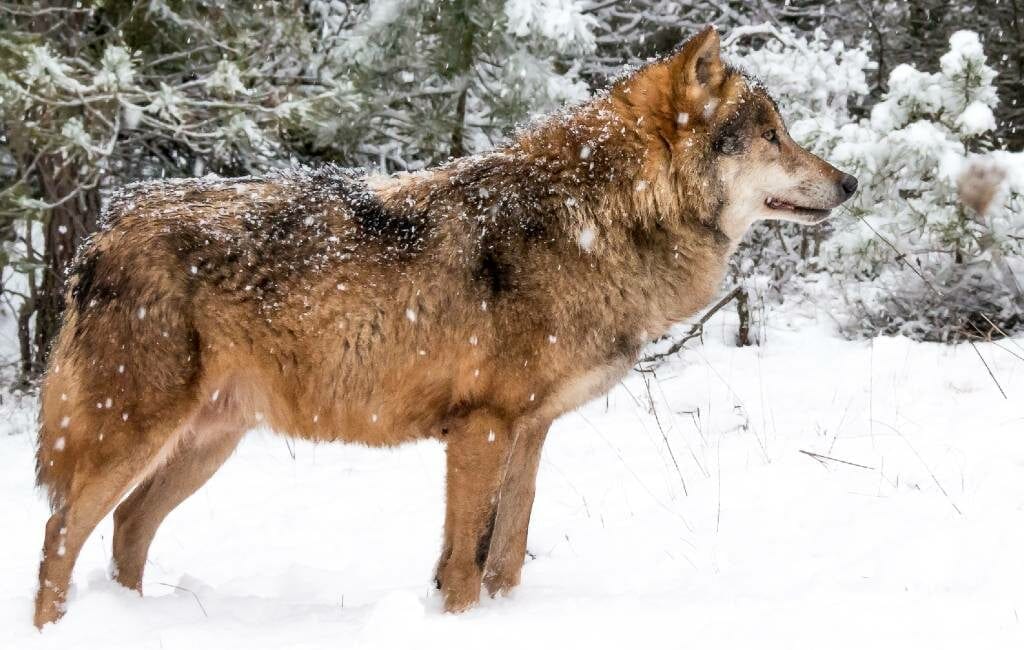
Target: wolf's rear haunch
{"type": "Point", "coordinates": [473, 303]}
{"type": "Point", "coordinates": [123, 377]}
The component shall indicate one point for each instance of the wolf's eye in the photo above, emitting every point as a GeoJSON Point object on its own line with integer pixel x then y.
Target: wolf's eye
{"type": "Point", "coordinates": [771, 136]}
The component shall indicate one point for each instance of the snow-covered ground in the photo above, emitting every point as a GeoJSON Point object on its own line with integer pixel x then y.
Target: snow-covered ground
{"type": "Point", "coordinates": [916, 541]}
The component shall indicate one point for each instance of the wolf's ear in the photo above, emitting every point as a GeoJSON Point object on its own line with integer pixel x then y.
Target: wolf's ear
{"type": "Point", "coordinates": [699, 62]}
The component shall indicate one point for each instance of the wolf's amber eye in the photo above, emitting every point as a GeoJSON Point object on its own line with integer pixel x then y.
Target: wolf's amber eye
{"type": "Point", "coordinates": [771, 136]}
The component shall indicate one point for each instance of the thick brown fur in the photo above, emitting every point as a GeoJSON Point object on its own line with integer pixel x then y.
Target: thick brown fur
{"type": "Point", "coordinates": [472, 303]}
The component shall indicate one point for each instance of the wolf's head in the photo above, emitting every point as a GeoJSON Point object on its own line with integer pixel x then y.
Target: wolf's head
{"type": "Point", "coordinates": [713, 132]}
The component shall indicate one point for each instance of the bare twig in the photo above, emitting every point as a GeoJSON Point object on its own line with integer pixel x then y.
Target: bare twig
{"type": "Point", "coordinates": [764, 29]}
{"type": "Point", "coordinates": [697, 330]}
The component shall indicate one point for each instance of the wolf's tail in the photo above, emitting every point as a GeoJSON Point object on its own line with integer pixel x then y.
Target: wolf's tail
{"type": "Point", "coordinates": [124, 365]}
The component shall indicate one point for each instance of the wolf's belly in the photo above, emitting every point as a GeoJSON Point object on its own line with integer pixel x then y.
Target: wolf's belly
{"type": "Point", "coordinates": [384, 400]}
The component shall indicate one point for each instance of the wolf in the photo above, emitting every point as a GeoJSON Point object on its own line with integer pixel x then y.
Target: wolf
{"type": "Point", "coordinates": [473, 303]}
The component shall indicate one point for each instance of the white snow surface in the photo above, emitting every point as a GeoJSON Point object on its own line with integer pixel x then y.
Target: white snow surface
{"type": "Point", "coordinates": [916, 545]}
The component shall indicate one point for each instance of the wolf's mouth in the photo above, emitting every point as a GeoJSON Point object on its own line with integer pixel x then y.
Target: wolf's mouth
{"type": "Point", "coordinates": [778, 204]}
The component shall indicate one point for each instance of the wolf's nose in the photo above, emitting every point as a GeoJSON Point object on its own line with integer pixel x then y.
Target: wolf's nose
{"type": "Point", "coordinates": [849, 185]}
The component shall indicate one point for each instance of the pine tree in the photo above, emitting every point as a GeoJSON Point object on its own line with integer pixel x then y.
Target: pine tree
{"type": "Point", "coordinates": [449, 77]}
{"type": "Point", "coordinates": [94, 94]}
{"type": "Point", "coordinates": [919, 260]}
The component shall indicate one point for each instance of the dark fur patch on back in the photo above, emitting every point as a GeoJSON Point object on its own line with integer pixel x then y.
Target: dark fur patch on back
{"type": "Point", "coordinates": [402, 231]}
{"type": "Point", "coordinates": [533, 229]}
{"type": "Point", "coordinates": [492, 272]}
{"type": "Point", "coordinates": [84, 275]}
{"type": "Point", "coordinates": [90, 285]}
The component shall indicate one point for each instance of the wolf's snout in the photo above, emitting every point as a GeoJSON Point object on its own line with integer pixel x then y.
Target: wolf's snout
{"type": "Point", "coordinates": [848, 184]}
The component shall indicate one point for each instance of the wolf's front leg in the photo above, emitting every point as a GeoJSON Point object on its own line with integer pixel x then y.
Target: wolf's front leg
{"type": "Point", "coordinates": [478, 454]}
{"type": "Point", "coordinates": [515, 502]}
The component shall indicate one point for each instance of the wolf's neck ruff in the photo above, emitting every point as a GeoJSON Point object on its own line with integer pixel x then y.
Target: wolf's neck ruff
{"type": "Point", "coordinates": [585, 199]}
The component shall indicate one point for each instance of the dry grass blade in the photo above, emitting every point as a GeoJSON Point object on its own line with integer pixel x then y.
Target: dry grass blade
{"type": "Point", "coordinates": [822, 457]}
{"type": "Point", "coordinates": [194, 595]}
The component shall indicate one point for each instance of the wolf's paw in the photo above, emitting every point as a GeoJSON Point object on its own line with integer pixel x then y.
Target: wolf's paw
{"type": "Point", "coordinates": [460, 590]}
{"type": "Point", "coordinates": [502, 581]}
{"type": "Point", "coordinates": [49, 607]}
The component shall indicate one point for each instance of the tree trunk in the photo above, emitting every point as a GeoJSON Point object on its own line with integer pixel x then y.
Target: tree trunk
{"type": "Point", "coordinates": [462, 64]}
{"type": "Point", "coordinates": [458, 148]}
{"type": "Point", "coordinates": [25, 342]}
{"type": "Point", "coordinates": [69, 222]}
{"type": "Point", "coordinates": [59, 183]}
{"type": "Point", "coordinates": [743, 311]}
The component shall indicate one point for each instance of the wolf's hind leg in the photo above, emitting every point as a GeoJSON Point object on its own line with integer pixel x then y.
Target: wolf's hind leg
{"type": "Point", "coordinates": [515, 503]}
{"type": "Point", "coordinates": [477, 454]}
{"type": "Point", "coordinates": [137, 519]}
{"type": "Point", "coordinates": [94, 490]}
